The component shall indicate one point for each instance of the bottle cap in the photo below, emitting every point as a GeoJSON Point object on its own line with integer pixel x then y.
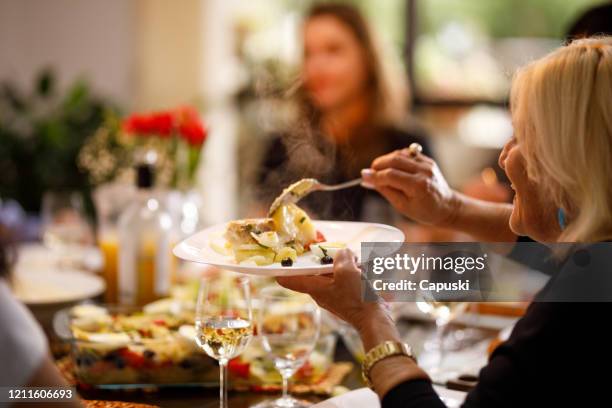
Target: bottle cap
{"type": "Point", "coordinates": [145, 176]}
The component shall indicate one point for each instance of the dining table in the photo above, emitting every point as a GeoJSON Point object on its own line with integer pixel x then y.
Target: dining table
{"type": "Point", "coordinates": [183, 397]}
{"type": "Point", "coordinates": [412, 328]}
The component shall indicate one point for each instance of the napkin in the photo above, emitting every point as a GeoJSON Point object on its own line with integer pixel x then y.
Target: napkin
{"type": "Point", "coordinates": [366, 398]}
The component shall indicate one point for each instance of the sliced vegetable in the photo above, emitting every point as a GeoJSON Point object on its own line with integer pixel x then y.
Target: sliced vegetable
{"type": "Point", "coordinates": [324, 249]}
{"type": "Point", "coordinates": [286, 253]}
{"type": "Point", "coordinates": [267, 239]}
{"type": "Point", "coordinates": [239, 368]}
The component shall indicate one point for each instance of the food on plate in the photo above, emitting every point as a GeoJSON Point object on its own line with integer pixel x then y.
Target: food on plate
{"type": "Point", "coordinates": [326, 251]}
{"type": "Point", "coordinates": [254, 367]}
{"type": "Point", "coordinates": [282, 238]}
{"type": "Point", "coordinates": [137, 347]}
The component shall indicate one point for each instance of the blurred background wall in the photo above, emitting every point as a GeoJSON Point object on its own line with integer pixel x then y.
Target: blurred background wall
{"type": "Point", "coordinates": [229, 56]}
{"type": "Point", "coordinates": [92, 39]}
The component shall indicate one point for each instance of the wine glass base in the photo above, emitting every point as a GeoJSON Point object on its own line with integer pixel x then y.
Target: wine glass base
{"type": "Point", "coordinates": [288, 402]}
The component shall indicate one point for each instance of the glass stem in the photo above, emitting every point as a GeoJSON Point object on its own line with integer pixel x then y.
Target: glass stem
{"type": "Point", "coordinates": [285, 385]}
{"type": "Point", "coordinates": [440, 330]}
{"type": "Point", "coordinates": [223, 384]}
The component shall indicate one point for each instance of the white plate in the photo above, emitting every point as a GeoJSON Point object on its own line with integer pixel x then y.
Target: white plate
{"type": "Point", "coordinates": [37, 279]}
{"type": "Point", "coordinates": [197, 248]}
{"type": "Point", "coordinates": [366, 398]}
{"type": "Point", "coordinates": [52, 286]}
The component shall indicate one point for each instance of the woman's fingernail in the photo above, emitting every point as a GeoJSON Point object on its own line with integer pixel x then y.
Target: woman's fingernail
{"type": "Point", "coordinates": [366, 176]}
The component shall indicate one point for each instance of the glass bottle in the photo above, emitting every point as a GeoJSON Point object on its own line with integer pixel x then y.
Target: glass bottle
{"type": "Point", "coordinates": [145, 236]}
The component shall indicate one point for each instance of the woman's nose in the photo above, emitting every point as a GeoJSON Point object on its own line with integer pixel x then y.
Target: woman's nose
{"type": "Point", "coordinates": [502, 156]}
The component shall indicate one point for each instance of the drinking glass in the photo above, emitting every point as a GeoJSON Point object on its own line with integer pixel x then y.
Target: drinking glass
{"type": "Point", "coordinates": [224, 321]}
{"type": "Point", "coordinates": [289, 325]}
{"type": "Point", "coordinates": [65, 228]}
{"type": "Point", "coordinates": [443, 313]}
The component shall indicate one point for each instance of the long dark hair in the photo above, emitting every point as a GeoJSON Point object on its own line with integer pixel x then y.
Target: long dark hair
{"type": "Point", "coordinates": [387, 85]}
{"type": "Point", "coordinates": [388, 92]}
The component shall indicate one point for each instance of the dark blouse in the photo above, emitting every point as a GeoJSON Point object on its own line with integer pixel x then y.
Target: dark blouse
{"type": "Point", "coordinates": [289, 159]}
{"type": "Point", "coordinates": [558, 354]}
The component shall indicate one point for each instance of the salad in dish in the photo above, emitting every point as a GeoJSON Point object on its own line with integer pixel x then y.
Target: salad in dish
{"type": "Point", "coordinates": [131, 346]}
{"type": "Point", "coordinates": [281, 238]}
{"type": "Point", "coordinates": [155, 345]}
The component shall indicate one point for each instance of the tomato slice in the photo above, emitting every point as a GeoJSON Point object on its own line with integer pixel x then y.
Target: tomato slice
{"type": "Point", "coordinates": [132, 359]}
{"type": "Point", "coordinates": [239, 368]}
{"type": "Point", "coordinates": [305, 371]}
{"type": "Point", "coordinates": [319, 238]}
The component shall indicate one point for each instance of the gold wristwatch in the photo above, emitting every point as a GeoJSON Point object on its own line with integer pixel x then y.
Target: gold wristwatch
{"type": "Point", "coordinates": [380, 352]}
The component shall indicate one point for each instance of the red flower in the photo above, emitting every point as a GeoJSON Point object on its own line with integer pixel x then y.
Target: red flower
{"type": "Point", "coordinates": [193, 132]}
{"type": "Point", "coordinates": [184, 120]}
{"type": "Point", "coordinates": [158, 123]}
{"type": "Point", "coordinates": [190, 126]}
{"type": "Point", "coordinates": [136, 124]}
{"type": "Point", "coordinates": [186, 114]}
{"type": "Point", "coordinates": [162, 123]}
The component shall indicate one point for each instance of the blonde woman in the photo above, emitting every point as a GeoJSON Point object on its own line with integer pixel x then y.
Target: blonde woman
{"type": "Point", "coordinates": [560, 166]}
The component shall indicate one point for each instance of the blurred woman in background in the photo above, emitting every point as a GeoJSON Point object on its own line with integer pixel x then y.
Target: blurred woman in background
{"type": "Point", "coordinates": [352, 108]}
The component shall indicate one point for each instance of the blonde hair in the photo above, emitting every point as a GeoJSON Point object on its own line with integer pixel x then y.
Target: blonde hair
{"type": "Point", "coordinates": [562, 113]}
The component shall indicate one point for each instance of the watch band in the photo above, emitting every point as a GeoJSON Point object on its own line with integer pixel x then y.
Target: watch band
{"type": "Point", "coordinates": [380, 352]}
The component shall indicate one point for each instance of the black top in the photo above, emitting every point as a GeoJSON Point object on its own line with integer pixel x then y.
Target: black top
{"type": "Point", "coordinates": [290, 158]}
{"type": "Point", "coordinates": [557, 355]}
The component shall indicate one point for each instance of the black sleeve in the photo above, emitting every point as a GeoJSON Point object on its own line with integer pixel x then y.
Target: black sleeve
{"type": "Point", "coordinates": [271, 176]}
{"type": "Point", "coordinates": [412, 394]}
{"type": "Point", "coordinates": [273, 159]}
{"type": "Point", "coordinates": [534, 255]}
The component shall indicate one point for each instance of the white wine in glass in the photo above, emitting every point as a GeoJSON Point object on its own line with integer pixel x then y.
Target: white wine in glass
{"type": "Point", "coordinates": [289, 325]}
{"type": "Point", "coordinates": [224, 321]}
{"type": "Point", "coordinates": [443, 313]}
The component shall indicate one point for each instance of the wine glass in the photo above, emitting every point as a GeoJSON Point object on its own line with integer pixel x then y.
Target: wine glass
{"type": "Point", "coordinates": [65, 228]}
{"type": "Point", "coordinates": [443, 312]}
{"type": "Point", "coordinates": [224, 321]}
{"type": "Point", "coordinates": [289, 325]}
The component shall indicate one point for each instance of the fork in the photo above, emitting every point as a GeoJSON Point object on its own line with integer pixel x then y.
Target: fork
{"type": "Point", "coordinates": [300, 189]}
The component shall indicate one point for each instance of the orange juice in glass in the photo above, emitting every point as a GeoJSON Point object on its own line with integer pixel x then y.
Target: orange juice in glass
{"type": "Point", "coordinates": [109, 245]}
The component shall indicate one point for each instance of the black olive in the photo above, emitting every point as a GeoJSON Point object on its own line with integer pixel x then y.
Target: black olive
{"type": "Point", "coordinates": [119, 362]}
{"type": "Point", "coordinates": [148, 354]}
{"type": "Point", "coordinates": [86, 360]}
{"type": "Point", "coordinates": [327, 260]}
{"type": "Point", "coordinates": [187, 363]}
{"type": "Point", "coordinates": [111, 356]}
{"type": "Point", "coordinates": [89, 360]}
{"type": "Point", "coordinates": [287, 262]}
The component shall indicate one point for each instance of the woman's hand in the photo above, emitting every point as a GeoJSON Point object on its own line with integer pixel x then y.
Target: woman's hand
{"type": "Point", "coordinates": [417, 189]}
{"type": "Point", "coordinates": [414, 186]}
{"type": "Point", "coordinates": [340, 293]}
